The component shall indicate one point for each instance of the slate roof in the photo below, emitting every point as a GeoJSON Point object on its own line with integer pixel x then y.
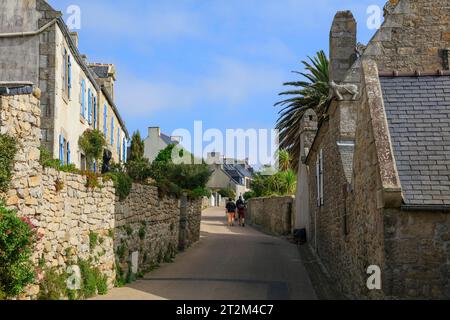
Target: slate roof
{"type": "Point", "coordinates": [168, 140]}
{"type": "Point", "coordinates": [418, 113]}
{"type": "Point", "coordinates": [100, 71]}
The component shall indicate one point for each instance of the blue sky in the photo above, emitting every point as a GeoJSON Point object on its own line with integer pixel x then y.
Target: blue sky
{"type": "Point", "coordinates": [219, 61]}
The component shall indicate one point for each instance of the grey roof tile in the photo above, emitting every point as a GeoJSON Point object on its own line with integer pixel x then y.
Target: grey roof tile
{"type": "Point", "coordinates": [418, 112]}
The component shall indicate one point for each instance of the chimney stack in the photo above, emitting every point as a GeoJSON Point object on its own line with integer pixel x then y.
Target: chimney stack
{"type": "Point", "coordinates": [342, 45]}
{"type": "Point", "coordinates": [74, 36]}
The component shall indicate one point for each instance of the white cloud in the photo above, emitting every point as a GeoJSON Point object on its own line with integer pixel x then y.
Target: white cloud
{"type": "Point", "coordinates": [228, 83]}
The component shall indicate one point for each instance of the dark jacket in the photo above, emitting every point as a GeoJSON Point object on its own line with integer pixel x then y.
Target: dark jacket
{"type": "Point", "coordinates": [231, 206]}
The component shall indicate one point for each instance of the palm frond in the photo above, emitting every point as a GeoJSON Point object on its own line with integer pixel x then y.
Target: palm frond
{"type": "Point", "coordinates": [311, 93]}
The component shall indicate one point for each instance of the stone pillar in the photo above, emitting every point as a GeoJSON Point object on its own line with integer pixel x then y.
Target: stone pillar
{"type": "Point", "coordinates": [342, 45]}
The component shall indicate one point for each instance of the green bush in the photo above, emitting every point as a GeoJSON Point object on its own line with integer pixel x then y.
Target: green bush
{"type": "Point", "coordinates": [138, 170]}
{"type": "Point", "coordinates": [93, 240]}
{"type": "Point", "coordinates": [92, 280]}
{"type": "Point", "coordinates": [92, 142]}
{"type": "Point", "coordinates": [142, 233]}
{"type": "Point", "coordinates": [53, 286]}
{"type": "Point", "coordinates": [227, 193]}
{"type": "Point", "coordinates": [249, 195]}
{"type": "Point", "coordinates": [17, 237]}
{"type": "Point", "coordinates": [8, 150]}
{"type": "Point", "coordinates": [47, 161]}
{"type": "Point", "coordinates": [122, 183]}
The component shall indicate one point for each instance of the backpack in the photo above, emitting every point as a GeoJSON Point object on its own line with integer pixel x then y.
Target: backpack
{"type": "Point", "coordinates": [241, 205]}
{"type": "Point", "coordinates": [231, 207]}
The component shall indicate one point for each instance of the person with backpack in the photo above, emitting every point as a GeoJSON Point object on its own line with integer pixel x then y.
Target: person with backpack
{"type": "Point", "coordinates": [240, 204]}
{"type": "Point", "coordinates": [231, 211]}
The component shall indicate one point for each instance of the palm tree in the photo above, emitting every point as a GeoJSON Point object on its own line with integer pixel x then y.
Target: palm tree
{"type": "Point", "coordinates": [284, 160]}
{"type": "Point", "coordinates": [310, 94]}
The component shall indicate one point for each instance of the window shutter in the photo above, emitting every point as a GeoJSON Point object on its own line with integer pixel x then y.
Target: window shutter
{"type": "Point", "coordinates": [89, 118]}
{"type": "Point", "coordinates": [69, 74]}
{"type": "Point", "coordinates": [61, 150]}
{"type": "Point", "coordinates": [321, 178]}
{"type": "Point", "coordinates": [124, 152]}
{"type": "Point", "coordinates": [118, 141]}
{"type": "Point", "coordinates": [95, 112]}
{"type": "Point", "coordinates": [68, 153]}
{"type": "Point", "coordinates": [112, 131]}
{"type": "Point", "coordinates": [83, 98]}
{"type": "Point", "coordinates": [318, 181]}
{"type": "Point", "coordinates": [105, 119]}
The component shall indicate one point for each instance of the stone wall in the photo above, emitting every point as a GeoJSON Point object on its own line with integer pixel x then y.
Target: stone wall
{"type": "Point", "coordinates": [273, 215]}
{"type": "Point", "coordinates": [146, 225]}
{"type": "Point", "coordinates": [147, 228]}
{"type": "Point", "coordinates": [59, 204]}
{"type": "Point", "coordinates": [417, 246]}
{"type": "Point", "coordinates": [69, 215]}
{"type": "Point", "coordinates": [412, 36]}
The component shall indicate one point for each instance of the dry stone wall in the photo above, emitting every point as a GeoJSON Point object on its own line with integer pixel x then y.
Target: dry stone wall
{"type": "Point", "coordinates": [69, 215]}
{"type": "Point", "coordinates": [273, 214]}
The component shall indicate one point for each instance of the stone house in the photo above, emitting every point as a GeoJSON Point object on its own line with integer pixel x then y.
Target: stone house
{"type": "Point", "coordinates": [228, 174]}
{"type": "Point", "coordinates": [37, 47]}
{"type": "Point", "coordinates": [378, 169]}
{"type": "Point", "coordinates": [157, 141]}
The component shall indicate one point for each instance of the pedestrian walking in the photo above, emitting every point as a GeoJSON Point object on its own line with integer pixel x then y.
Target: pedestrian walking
{"type": "Point", "coordinates": [231, 211]}
{"type": "Point", "coordinates": [240, 204]}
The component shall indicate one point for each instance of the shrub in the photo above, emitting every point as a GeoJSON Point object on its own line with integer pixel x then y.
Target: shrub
{"type": "Point", "coordinates": [17, 237]}
{"type": "Point", "coordinates": [93, 240]}
{"type": "Point", "coordinates": [92, 280]}
{"type": "Point", "coordinates": [122, 183]}
{"type": "Point", "coordinates": [137, 147]}
{"type": "Point", "coordinates": [8, 150]}
{"type": "Point", "coordinates": [249, 195]}
{"type": "Point", "coordinates": [102, 284]}
{"type": "Point", "coordinates": [53, 286]}
{"type": "Point", "coordinates": [92, 142]}
{"type": "Point", "coordinates": [91, 180]}
{"type": "Point", "coordinates": [142, 232]}
{"type": "Point", "coordinates": [139, 170]}
{"type": "Point", "coordinates": [227, 193]}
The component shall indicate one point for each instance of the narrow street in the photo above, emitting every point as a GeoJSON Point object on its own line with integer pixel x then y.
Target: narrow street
{"type": "Point", "coordinates": [227, 264]}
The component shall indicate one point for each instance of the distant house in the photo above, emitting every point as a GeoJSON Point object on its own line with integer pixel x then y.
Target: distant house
{"type": "Point", "coordinates": [156, 142]}
{"type": "Point", "coordinates": [228, 174]}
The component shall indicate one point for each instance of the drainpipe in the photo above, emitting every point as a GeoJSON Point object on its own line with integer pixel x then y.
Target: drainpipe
{"type": "Point", "coordinates": [28, 33]}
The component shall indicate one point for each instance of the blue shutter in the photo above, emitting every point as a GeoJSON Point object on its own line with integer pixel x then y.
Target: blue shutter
{"type": "Point", "coordinates": [95, 112]}
{"type": "Point", "coordinates": [89, 106]}
{"type": "Point", "coordinates": [118, 142]}
{"type": "Point", "coordinates": [112, 131]}
{"type": "Point", "coordinates": [69, 84]}
{"type": "Point", "coordinates": [105, 119]}
{"type": "Point", "coordinates": [124, 151]}
{"type": "Point", "coordinates": [68, 153]}
{"type": "Point", "coordinates": [61, 150]}
{"type": "Point", "coordinates": [83, 98]}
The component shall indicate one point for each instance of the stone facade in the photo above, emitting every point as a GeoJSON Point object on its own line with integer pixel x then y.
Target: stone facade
{"type": "Point", "coordinates": [73, 99]}
{"type": "Point", "coordinates": [360, 219]}
{"type": "Point", "coordinates": [67, 213]}
{"type": "Point", "coordinates": [273, 214]}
